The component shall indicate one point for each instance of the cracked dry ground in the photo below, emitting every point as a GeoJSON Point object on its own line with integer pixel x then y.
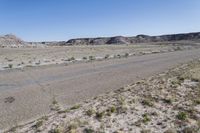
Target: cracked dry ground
{"type": "Point", "coordinates": [168, 102]}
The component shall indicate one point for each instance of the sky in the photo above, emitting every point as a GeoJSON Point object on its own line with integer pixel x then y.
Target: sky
{"type": "Point", "coordinates": [57, 20]}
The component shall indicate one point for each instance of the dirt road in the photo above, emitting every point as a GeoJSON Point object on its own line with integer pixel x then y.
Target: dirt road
{"type": "Point", "coordinates": [28, 93]}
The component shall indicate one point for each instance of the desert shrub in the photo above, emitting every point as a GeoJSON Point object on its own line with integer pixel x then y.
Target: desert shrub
{"type": "Point", "coordinates": [91, 58]}
{"type": "Point", "coordinates": [37, 63]}
{"type": "Point", "coordinates": [195, 80]}
{"type": "Point", "coordinates": [126, 54]}
{"type": "Point", "coordinates": [146, 131]}
{"type": "Point", "coordinates": [13, 129]}
{"type": "Point", "coordinates": [73, 126]}
{"type": "Point", "coordinates": [10, 65]}
{"type": "Point", "coordinates": [45, 118]}
{"type": "Point", "coordinates": [99, 115]}
{"type": "Point", "coordinates": [119, 56]}
{"type": "Point", "coordinates": [113, 109]}
{"type": "Point", "coordinates": [90, 112]}
{"type": "Point", "coordinates": [55, 131]}
{"type": "Point", "coordinates": [9, 60]}
{"type": "Point", "coordinates": [75, 107]}
{"type": "Point", "coordinates": [71, 59]}
{"type": "Point", "coordinates": [168, 101]}
{"type": "Point", "coordinates": [197, 101]}
{"type": "Point", "coordinates": [171, 130]}
{"type": "Point", "coordinates": [146, 118]}
{"type": "Point", "coordinates": [63, 111]}
{"type": "Point", "coordinates": [181, 116]}
{"type": "Point", "coordinates": [54, 102]}
{"type": "Point", "coordinates": [147, 102]}
{"type": "Point", "coordinates": [87, 130]}
{"type": "Point", "coordinates": [190, 130]}
{"type": "Point", "coordinates": [84, 58]}
{"type": "Point", "coordinates": [107, 56]}
{"type": "Point", "coordinates": [181, 78]}
{"type": "Point", "coordinates": [177, 48]}
{"type": "Point", "coordinates": [38, 124]}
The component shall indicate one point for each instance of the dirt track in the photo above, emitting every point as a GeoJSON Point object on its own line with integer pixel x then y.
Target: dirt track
{"type": "Point", "coordinates": [29, 93]}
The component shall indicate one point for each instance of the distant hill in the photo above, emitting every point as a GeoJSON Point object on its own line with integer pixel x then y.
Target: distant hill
{"type": "Point", "coordinates": [10, 41]}
{"type": "Point", "coordinates": [13, 41]}
{"type": "Point", "coordinates": [136, 39]}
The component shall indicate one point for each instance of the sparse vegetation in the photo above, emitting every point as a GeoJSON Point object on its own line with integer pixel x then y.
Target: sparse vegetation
{"type": "Point", "coordinates": [84, 58]}
{"type": "Point", "coordinates": [54, 102]}
{"type": "Point", "coordinates": [73, 126]}
{"type": "Point", "coordinates": [181, 116]}
{"type": "Point", "coordinates": [107, 56]}
{"type": "Point", "coordinates": [197, 101]}
{"type": "Point", "coordinates": [13, 129]}
{"type": "Point", "coordinates": [99, 115]}
{"type": "Point", "coordinates": [171, 130]}
{"type": "Point", "coordinates": [143, 105]}
{"type": "Point", "coordinates": [10, 65]}
{"type": "Point", "coordinates": [56, 130]}
{"type": "Point", "coordinates": [118, 56]}
{"type": "Point", "coordinates": [146, 118]}
{"type": "Point", "coordinates": [147, 102]}
{"type": "Point", "coordinates": [44, 118]}
{"type": "Point", "coordinates": [180, 78]}
{"type": "Point", "coordinates": [38, 124]}
{"type": "Point", "coordinates": [75, 107]}
{"type": "Point", "coordinates": [91, 58]}
{"type": "Point", "coordinates": [9, 60]}
{"type": "Point", "coordinates": [88, 130]}
{"type": "Point", "coordinates": [63, 111]}
{"type": "Point", "coordinates": [167, 100]}
{"type": "Point", "coordinates": [113, 109]}
{"type": "Point", "coordinates": [126, 55]}
{"type": "Point", "coordinates": [90, 112]}
{"type": "Point", "coordinates": [190, 130]}
{"type": "Point", "coordinates": [195, 79]}
{"type": "Point", "coordinates": [71, 59]}
{"type": "Point", "coordinates": [37, 63]}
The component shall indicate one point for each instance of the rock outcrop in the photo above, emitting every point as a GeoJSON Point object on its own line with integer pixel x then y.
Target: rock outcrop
{"type": "Point", "coordinates": [11, 41]}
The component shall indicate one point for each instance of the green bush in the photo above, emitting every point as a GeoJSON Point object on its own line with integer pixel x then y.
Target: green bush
{"type": "Point", "coordinates": [146, 118]}
{"type": "Point", "coordinates": [181, 116]}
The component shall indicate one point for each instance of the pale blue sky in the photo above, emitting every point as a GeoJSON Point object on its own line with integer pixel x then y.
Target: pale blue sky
{"type": "Point", "coordinates": [43, 20]}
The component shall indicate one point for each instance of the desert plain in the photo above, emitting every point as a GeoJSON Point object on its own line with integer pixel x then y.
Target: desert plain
{"type": "Point", "coordinates": [141, 87]}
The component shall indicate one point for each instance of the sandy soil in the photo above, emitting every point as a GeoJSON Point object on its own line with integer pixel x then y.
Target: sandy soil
{"type": "Point", "coordinates": [28, 57]}
{"type": "Point", "coordinates": [168, 102]}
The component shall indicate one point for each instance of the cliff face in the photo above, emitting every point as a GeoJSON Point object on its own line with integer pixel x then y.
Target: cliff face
{"type": "Point", "coordinates": [10, 41]}
{"type": "Point", "coordinates": [136, 39]}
